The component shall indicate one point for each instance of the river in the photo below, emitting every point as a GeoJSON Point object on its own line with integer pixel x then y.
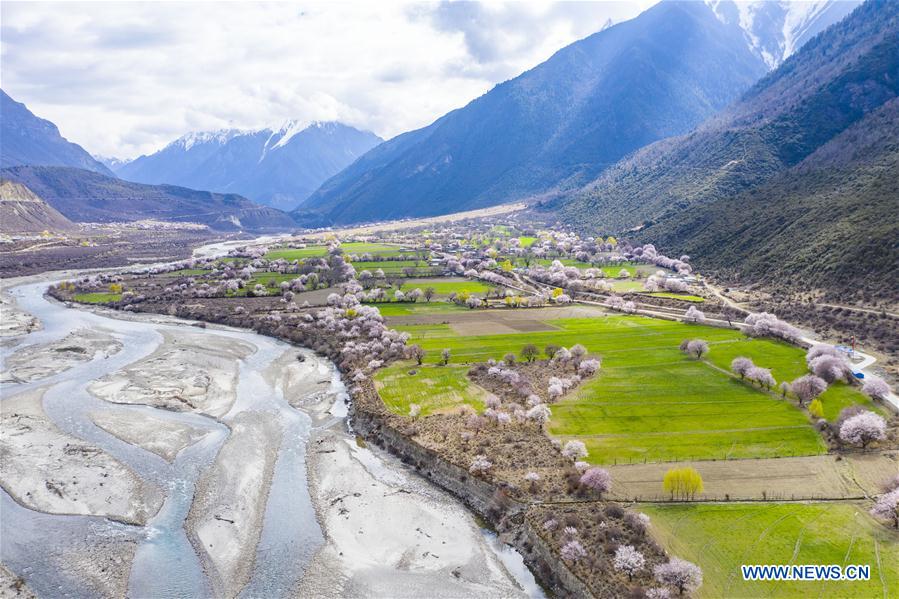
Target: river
{"type": "Point", "coordinates": [291, 535]}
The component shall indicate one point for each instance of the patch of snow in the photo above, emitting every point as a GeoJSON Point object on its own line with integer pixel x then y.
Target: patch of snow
{"type": "Point", "coordinates": [222, 136]}
{"type": "Point", "coordinates": [799, 17]}
{"type": "Point", "coordinates": [772, 28]}
{"type": "Point", "coordinates": [290, 128]}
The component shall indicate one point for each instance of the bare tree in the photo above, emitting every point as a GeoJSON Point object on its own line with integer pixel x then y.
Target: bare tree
{"type": "Point", "coordinates": [530, 352]}
{"type": "Point", "coordinates": [417, 352]}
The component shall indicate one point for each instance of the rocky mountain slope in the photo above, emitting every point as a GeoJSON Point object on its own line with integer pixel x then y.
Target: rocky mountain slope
{"type": "Point", "coordinates": [278, 168]}
{"type": "Point", "coordinates": [556, 126]}
{"type": "Point", "coordinates": [21, 211]}
{"type": "Point", "coordinates": [29, 140]}
{"type": "Point", "coordinates": [85, 196]}
{"type": "Point", "coordinates": [794, 184]}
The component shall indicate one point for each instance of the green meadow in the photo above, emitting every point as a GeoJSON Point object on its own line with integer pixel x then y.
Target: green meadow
{"type": "Point", "coordinates": [678, 296]}
{"type": "Point", "coordinates": [419, 308]}
{"type": "Point", "coordinates": [392, 267]}
{"type": "Point", "coordinates": [787, 363]}
{"type": "Point", "coordinates": [434, 388]}
{"type": "Point", "coordinates": [320, 250]}
{"type": "Point", "coordinates": [97, 298]}
{"type": "Point", "coordinates": [444, 287]}
{"type": "Point", "coordinates": [651, 402]}
{"type": "Point", "coordinates": [722, 537]}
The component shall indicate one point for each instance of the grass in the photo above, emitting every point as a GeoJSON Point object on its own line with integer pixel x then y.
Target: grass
{"type": "Point", "coordinates": [625, 286]}
{"type": "Point", "coordinates": [650, 402]}
{"type": "Point", "coordinates": [677, 296]}
{"type": "Point", "coordinates": [97, 298]}
{"type": "Point", "coordinates": [722, 537]}
{"type": "Point", "coordinates": [444, 287]}
{"type": "Point", "coordinates": [548, 262]}
{"type": "Point", "coordinates": [421, 307]}
{"type": "Point", "coordinates": [391, 267]}
{"type": "Point", "coordinates": [787, 363]}
{"type": "Point", "coordinates": [320, 250]}
{"type": "Point", "coordinates": [526, 241]}
{"type": "Point", "coordinates": [434, 388]}
{"type": "Point", "coordinates": [612, 271]}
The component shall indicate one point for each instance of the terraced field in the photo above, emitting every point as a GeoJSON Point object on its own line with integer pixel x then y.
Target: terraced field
{"type": "Point", "coordinates": [722, 537]}
{"type": "Point", "coordinates": [650, 401]}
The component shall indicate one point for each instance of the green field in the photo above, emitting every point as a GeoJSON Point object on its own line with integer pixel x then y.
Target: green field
{"type": "Point", "coordinates": [787, 362]}
{"type": "Point", "coordinates": [678, 296]}
{"type": "Point", "coordinates": [97, 298]}
{"type": "Point", "coordinates": [444, 287]}
{"type": "Point", "coordinates": [547, 262]}
{"type": "Point", "coordinates": [392, 267]}
{"type": "Point", "coordinates": [420, 307]}
{"type": "Point", "coordinates": [625, 286]}
{"type": "Point", "coordinates": [612, 271]}
{"type": "Point", "coordinates": [321, 250]}
{"type": "Point", "coordinates": [434, 388]}
{"type": "Point", "coordinates": [722, 537]}
{"type": "Point", "coordinates": [526, 242]}
{"type": "Point", "coordinates": [650, 401]}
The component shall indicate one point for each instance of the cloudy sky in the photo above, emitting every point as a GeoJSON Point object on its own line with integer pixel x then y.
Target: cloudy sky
{"type": "Point", "coordinates": [124, 79]}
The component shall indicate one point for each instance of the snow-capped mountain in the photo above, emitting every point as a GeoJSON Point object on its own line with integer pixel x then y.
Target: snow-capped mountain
{"type": "Point", "coordinates": [278, 166]}
{"type": "Point", "coordinates": [775, 29]}
{"type": "Point", "coordinates": [111, 162]}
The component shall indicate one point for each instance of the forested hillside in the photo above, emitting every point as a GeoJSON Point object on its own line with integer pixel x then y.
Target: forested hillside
{"type": "Point", "coordinates": [795, 183]}
{"type": "Point", "coordinates": [556, 126]}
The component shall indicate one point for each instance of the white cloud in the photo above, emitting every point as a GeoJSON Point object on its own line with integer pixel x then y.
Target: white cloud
{"type": "Point", "coordinates": [126, 78]}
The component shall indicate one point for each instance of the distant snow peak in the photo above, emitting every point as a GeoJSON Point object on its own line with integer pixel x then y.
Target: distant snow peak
{"type": "Point", "coordinates": [111, 161]}
{"type": "Point", "coordinates": [287, 130]}
{"type": "Point", "coordinates": [774, 29]}
{"type": "Point", "coordinates": [221, 137]}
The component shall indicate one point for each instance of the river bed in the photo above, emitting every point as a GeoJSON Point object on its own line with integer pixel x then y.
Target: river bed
{"type": "Point", "coordinates": [214, 456]}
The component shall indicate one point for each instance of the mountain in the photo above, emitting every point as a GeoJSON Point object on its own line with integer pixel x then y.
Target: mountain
{"type": "Point", "coordinates": [111, 162]}
{"type": "Point", "coordinates": [556, 126]}
{"type": "Point", "coordinates": [278, 168]}
{"type": "Point", "coordinates": [86, 196]}
{"type": "Point", "coordinates": [775, 29]}
{"type": "Point", "coordinates": [28, 140]}
{"type": "Point", "coordinates": [21, 211]}
{"type": "Point", "coordinates": [795, 183]}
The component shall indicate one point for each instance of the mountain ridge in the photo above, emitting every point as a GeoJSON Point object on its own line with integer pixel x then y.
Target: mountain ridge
{"type": "Point", "coordinates": [278, 166]}
{"type": "Point", "coordinates": [85, 196]}
{"type": "Point", "coordinates": [554, 126]}
{"type": "Point", "coordinates": [747, 159]}
{"type": "Point", "coordinates": [30, 140]}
